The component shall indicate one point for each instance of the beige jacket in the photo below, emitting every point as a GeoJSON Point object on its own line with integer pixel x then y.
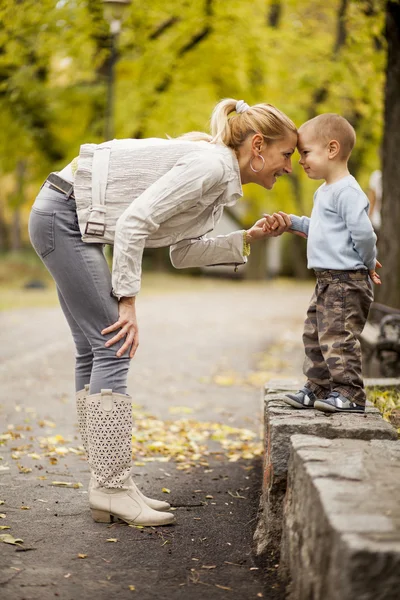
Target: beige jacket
{"type": "Point", "coordinates": [154, 192]}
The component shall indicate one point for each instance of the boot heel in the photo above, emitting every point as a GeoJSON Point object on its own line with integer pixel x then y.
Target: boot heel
{"type": "Point", "coordinates": [101, 516]}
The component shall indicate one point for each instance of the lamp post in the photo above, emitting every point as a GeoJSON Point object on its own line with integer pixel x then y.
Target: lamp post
{"type": "Point", "coordinates": [113, 12]}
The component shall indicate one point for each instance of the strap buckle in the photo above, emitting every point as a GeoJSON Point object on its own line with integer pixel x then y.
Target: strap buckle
{"type": "Point", "coordinates": [95, 228]}
{"type": "Point", "coordinates": [65, 187]}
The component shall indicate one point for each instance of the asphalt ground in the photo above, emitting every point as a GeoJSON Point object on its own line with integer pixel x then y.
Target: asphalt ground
{"type": "Point", "coordinates": [206, 350]}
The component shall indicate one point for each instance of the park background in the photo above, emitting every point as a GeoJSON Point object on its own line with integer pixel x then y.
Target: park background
{"type": "Point", "coordinates": [67, 78]}
{"type": "Point", "coordinates": [208, 347]}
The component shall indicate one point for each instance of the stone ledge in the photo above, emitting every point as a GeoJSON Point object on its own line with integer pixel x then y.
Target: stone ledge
{"type": "Point", "coordinates": [281, 421]}
{"type": "Point", "coordinates": [341, 528]}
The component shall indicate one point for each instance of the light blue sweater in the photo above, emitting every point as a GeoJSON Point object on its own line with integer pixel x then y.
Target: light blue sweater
{"type": "Point", "coordinates": [340, 234]}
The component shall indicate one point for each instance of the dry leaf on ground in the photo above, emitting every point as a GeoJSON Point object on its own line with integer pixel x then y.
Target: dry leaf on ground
{"type": "Point", "coordinates": [66, 484]}
{"type": "Point", "coordinates": [7, 538]}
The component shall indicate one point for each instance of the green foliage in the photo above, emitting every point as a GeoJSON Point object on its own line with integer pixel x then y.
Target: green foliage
{"type": "Point", "coordinates": [177, 58]}
{"type": "Point", "coordinates": [387, 402]}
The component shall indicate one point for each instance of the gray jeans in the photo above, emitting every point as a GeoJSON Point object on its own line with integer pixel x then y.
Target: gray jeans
{"type": "Point", "coordinates": [83, 280]}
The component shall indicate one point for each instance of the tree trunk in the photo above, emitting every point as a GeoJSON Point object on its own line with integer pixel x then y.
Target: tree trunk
{"type": "Point", "coordinates": [4, 237]}
{"type": "Point", "coordinates": [389, 238]}
{"type": "Point", "coordinates": [256, 267]}
{"type": "Point", "coordinates": [16, 204]}
{"type": "Point", "coordinates": [16, 230]}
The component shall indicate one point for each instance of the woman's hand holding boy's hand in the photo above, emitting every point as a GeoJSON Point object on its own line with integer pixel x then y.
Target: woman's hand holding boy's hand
{"type": "Point", "coordinates": [273, 223]}
{"type": "Point", "coordinates": [276, 224]}
{"type": "Point", "coordinates": [374, 275]}
{"type": "Point", "coordinates": [268, 226]}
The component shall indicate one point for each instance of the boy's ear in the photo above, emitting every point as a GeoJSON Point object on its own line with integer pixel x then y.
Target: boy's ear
{"type": "Point", "coordinates": [333, 149]}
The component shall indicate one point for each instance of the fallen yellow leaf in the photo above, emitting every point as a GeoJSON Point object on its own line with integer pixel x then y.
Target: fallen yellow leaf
{"type": "Point", "coordinates": [180, 409]}
{"type": "Point", "coordinates": [24, 469]}
{"type": "Point", "coordinates": [225, 380]}
{"type": "Point", "coordinates": [67, 484]}
{"type": "Point", "coordinates": [7, 538]}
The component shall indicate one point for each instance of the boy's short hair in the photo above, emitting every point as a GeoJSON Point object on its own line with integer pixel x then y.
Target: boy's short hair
{"type": "Point", "coordinates": [331, 126]}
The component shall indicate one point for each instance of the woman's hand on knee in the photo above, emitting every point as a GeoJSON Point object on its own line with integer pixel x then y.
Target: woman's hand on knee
{"type": "Point", "coordinates": [127, 324]}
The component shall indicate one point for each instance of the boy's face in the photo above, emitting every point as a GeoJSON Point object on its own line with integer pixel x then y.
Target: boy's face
{"type": "Point", "coordinates": [313, 154]}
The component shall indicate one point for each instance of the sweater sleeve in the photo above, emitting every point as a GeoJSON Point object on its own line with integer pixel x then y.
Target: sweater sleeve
{"type": "Point", "coordinates": [300, 223]}
{"type": "Point", "coordinates": [352, 207]}
{"type": "Point", "coordinates": [176, 191]}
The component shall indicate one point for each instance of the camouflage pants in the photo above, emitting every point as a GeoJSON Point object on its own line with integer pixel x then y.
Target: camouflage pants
{"type": "Point", "coordinates": [335, 319]}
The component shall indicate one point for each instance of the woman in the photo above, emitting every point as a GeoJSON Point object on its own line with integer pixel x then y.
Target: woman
{"type": "Point", "coordinates": [132, 194]}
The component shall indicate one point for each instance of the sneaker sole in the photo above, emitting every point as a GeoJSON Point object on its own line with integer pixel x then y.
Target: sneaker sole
{"type": "Point", "coordinates": [296, 403]}
{"type": "Point", "coordinates": [324, 407]}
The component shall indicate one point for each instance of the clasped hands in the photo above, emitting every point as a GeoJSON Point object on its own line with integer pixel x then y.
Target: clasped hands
{"type": "Point", "coordinates": [269, 226]}
{"type": "Point", "coordinates": [280, 222]}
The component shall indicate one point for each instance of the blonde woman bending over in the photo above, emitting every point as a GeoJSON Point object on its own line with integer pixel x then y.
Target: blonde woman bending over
{"type": "Point", "coordinates": [135, 194]}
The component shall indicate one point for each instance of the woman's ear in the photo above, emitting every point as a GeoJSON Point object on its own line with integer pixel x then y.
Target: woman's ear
{"type": "Point", "coordinates": [257, 143]}
{"type": "Point", "coordinates": [333, 149]}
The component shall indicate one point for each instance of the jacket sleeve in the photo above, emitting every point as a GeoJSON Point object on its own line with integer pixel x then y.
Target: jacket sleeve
{"type": "Point", "coordinates": [208, 252]}
{"type": "Point", "coordinates": [352, 206]}
{"type": "Point", "coordinates": [176, 191]}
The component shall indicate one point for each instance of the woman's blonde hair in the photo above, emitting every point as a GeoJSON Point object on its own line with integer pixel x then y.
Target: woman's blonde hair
{"type": "Point", "coordinates": [232, 129]}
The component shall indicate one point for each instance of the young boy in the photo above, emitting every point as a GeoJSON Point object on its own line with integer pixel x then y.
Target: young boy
{"type": "Point", "coordinates": [341, 249]}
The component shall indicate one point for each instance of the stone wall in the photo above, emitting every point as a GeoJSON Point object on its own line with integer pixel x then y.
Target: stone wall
{"type": "Point", "coordinates": [341, 526]}
{"type": "Point", "coordinates": [281, 421]}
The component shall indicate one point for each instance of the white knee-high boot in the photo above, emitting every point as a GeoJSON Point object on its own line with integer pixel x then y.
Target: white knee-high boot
{"type": "Point", "coordinates": [109, 429]}
{"type": "Point", "coordinates": [81, 408]}
{"type": "Point", "coordinates": [81, 411]}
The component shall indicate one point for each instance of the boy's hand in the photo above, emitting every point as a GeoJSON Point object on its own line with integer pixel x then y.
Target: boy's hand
{"type": "Point", "coordinates": [272, 223]}
{"type": "Point", "coordinates": [374, 275]}
{"type": "Point", "coordinates": [277, 223]}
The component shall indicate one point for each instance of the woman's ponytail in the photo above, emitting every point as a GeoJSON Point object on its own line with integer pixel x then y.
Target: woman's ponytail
{"type": "Point", "coordinates": [232, 121]}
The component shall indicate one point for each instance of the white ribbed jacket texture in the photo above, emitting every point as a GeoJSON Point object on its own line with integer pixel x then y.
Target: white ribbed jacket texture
{"type": "Point", "coordinates": [155, 192]}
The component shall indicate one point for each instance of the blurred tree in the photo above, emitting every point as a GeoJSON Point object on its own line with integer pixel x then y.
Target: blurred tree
{"type": "Point", "coordinates": [177, 59]}
{"type": "Point", "coordinates": [389, 238]}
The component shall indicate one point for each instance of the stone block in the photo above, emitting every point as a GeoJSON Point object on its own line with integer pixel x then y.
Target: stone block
{"type": "Point", "coordinates": [281, 421]}
{"type": "Point", "coordinates": [341, 526]}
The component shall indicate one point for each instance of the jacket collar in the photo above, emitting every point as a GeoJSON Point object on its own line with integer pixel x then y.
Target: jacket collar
{"type": "Point", "coordinates": [233, 190]}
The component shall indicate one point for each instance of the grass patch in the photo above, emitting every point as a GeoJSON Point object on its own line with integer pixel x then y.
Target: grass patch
{"type": "Point", "coordinates": [19, 270]}
{"type": "Point", "coordinates": [388, 403]}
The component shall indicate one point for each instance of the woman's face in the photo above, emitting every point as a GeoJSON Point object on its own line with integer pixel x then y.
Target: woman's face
{"type": "Point", "coordinates": [277, 156]}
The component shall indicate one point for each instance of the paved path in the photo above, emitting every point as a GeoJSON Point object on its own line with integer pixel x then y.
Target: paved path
{"type": "Point", "coordinates": [192, 341]}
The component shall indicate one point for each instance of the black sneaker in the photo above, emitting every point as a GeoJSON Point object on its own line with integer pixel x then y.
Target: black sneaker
{"type": "Point", "coordinates": [335, 402]}
{"type": "Point", "coordinates": [304, 398]}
